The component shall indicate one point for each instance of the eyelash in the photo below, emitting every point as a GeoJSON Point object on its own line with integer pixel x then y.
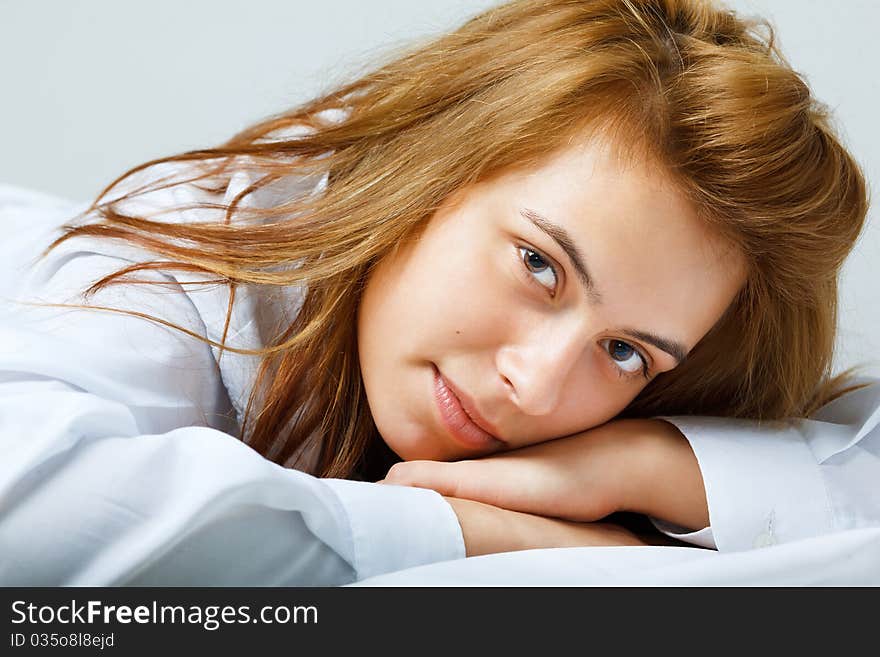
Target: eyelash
{"type": "Point", "coordinates": [644, 372]}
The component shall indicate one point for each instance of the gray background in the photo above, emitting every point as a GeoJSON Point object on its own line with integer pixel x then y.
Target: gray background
{"type": "Point", "coordinates": [93, 87]}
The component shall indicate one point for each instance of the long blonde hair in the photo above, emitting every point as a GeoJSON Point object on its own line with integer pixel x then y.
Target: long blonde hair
{"type": "Point", "coordinates": [686, 85]}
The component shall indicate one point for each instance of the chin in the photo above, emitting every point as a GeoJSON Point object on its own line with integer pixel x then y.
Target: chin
{"type": "Point", "coordinates": [414, 447]}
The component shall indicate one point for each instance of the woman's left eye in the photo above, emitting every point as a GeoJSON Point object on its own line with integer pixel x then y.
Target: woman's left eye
{"type": "Point", "coordinates": [632, 363]}
{"type": "Point", "coordinates": [539, 269]}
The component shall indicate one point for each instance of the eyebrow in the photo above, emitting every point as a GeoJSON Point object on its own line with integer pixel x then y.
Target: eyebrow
{"type": "Point", "coordinates": [562, 237]}
{"type": "Point", "coordinates": [671, 347]}
{"type": "Point", "coordinates": [566, 243]}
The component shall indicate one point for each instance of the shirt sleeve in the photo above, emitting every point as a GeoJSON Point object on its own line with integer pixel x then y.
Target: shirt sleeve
{"type": "Point", "coordinates": [118, 466]}
{"type": "Point", "coordinates": [776, 482]}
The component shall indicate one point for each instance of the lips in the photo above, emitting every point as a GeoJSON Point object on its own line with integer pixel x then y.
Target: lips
{"type": "Point", "coordinates": [460, 417]}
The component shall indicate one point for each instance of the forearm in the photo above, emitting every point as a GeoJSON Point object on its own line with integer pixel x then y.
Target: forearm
{"type": "Point", "coordinates": [489, 529]}
{"type": "Point", "coordinates": [639, 465]}
{"type": "Point", "coordinates": [664, 479]}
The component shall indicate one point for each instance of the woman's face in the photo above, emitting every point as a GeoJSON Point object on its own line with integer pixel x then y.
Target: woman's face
{"type": "Point", "coordinates": [541, 297]}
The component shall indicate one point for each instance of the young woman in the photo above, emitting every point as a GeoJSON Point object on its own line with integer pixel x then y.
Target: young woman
{"type": "Point", "coordinates": [568, 260]}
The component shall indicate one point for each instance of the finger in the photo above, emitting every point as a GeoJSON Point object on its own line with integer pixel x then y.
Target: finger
{"type": "Point", "coordinates": [436, 475]}
{"type": "Point", "coordinates": [521, 483]}
{"type": "Point", "coordinates": [492, 481]}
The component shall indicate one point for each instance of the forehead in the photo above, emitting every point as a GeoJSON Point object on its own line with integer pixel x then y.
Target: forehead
{"type": "Point", "coordinates": [596, 173]}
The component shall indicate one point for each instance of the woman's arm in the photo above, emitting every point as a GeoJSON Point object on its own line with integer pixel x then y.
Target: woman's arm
{"type": "Point", "coordinates": [638, 465]}
{"type": "Point", "coordinates": [665, 481]}
{"type": "Point", "coordinates": [489, 529]}
{"type": "Point", "coordinates": [760, 482]}
{"type": "Point", "coordinates": [775, 482]}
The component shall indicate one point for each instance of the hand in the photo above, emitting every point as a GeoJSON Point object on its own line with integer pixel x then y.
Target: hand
{"type": "Point", "coordinates": [578, 477]}
{"type": "Point", "coordinates": [640, 465]}
{"type": "Point", "coordinates": [488, 529]}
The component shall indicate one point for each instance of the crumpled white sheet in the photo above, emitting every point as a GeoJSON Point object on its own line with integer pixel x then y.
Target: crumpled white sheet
{"type": "Point", "coordinates": [847, 558]}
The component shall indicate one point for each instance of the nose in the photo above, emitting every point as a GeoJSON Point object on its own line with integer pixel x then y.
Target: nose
{"type": "Point", "coordinates": [536, 369]}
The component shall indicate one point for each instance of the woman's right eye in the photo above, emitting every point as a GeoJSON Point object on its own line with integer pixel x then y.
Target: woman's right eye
{"type": "Point", "coordinates": [538, 269]}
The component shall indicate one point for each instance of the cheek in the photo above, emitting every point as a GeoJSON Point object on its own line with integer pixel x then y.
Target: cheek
{"type": "Point", "coordinates": [461, 296]}
{"type": "Point", "coordinates": [594, 395]}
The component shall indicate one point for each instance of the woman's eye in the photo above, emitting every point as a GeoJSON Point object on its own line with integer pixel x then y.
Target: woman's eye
{"type": "Point", "coordinates": [629, 361]}
{"type": "Point", "coordinates": [539, 270]}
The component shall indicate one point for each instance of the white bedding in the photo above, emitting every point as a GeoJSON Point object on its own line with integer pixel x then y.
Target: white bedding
{"type": "Point", "coordinates": [848, 558]}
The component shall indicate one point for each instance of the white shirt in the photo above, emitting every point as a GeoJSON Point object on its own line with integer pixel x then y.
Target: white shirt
{"type": "Point", "coordinates": [118, 465]}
